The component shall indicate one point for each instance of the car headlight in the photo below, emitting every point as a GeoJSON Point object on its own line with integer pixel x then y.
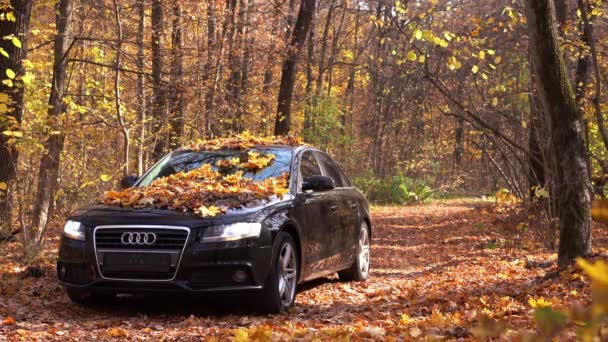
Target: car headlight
{"type": "Point", "coordinates": [231, 232]}
{"type": "Point", "coordinates": [74, 230]}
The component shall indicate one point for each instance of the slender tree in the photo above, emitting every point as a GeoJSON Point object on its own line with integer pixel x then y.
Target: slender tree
{"type": "Point", "coordinates": [208, 80]}
{"type": "Point", "coordinates": [558, 102]}
{"type": "Point", "coordinates": [288, 76]}
{"type": "Point", "coordinates": [126, 147]}
{"type": "Point", "coordinates": [248, 8]}
{"type": "Point", "coordinates": [10, 120]}
{"type": "Point", "coordinates": [235, 31]}
{"type": "Point", "coordinates": [48, 172]}
{"type": "Point", "coordinates": [310, 60]}
{"type": "Point", "coordinates": [141, 84]}
{"type": "Point", "coordinates": [159, 110]}
{"type": "Point", "coordinates": [324, 41]}
{"type": "Point", "coordinates": [178, 105]}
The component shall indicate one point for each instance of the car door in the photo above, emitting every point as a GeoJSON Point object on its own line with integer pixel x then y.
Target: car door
{"type": "Point", "coordinates": [344, 230]}
{"type": "Point", "coordinates": [316, 213]}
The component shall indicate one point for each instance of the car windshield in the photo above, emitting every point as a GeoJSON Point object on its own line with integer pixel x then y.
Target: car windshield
{"type": "Point", "coordinates": [184, 161]}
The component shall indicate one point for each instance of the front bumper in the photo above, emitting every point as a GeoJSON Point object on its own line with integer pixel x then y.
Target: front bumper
{"type": "Point", "coordinates": [238, 266]}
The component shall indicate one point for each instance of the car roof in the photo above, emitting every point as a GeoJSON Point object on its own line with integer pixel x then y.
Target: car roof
{"type": "Point", "coordinates": [295, 148]}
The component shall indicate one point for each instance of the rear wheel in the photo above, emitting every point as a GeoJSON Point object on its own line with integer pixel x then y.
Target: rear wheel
{"type": "Point", "coordinates": [359, 270]}
{"type": "Point", "coordinates": [279, 291]}
{"type": "Point", "coordinates": [88, 297]}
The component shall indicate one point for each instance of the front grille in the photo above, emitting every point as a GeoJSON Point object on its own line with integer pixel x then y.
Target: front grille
{"type": "Point", "coordinates": [156, 261]}
{"type": "Point", "coordinates": [138, 275]}
{"type": "Point", "coordinates": [110, 238]}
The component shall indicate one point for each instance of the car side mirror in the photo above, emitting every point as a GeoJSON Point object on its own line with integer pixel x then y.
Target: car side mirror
{"type": "Point", "coordinates": [318, 183]}
{"type": "Point", "coordinates": [128, 181]}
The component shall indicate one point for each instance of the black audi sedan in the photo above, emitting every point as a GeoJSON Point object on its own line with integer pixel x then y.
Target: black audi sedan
{"type": "Point", "coordinates": [321, 226]}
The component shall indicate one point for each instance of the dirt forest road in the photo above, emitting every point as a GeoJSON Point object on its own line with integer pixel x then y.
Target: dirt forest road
{"type": "Point", "coordinates": [437, 270]}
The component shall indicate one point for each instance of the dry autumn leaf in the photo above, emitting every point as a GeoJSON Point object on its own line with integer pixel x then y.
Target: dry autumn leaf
{"type": "Point", "coordinates": [9, 321]}
{"type": "Point", "coordinates": [118, 332]}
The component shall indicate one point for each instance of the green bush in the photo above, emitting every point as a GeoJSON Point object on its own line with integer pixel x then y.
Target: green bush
{"type": "Point", "coordinates": [397, 189]}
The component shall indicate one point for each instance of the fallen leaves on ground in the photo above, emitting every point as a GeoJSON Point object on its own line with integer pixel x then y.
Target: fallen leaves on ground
{"type": "Point", "coordinates": [451, 270]}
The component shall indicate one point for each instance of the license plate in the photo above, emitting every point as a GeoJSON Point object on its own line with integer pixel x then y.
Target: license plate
{"type": "Point", "coordinates": [136, 262]}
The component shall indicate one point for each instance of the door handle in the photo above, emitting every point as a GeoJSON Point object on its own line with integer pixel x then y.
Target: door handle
{"type": "Point", "coordinates": [333, 208]}
{"type": "Point", "coordinates": [354, 206]}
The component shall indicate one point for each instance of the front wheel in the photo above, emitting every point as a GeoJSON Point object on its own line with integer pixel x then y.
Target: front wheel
{"type": "Point", "coordinates": [359, 270]}
{"type": "Point", "coordinates": [279, 291]}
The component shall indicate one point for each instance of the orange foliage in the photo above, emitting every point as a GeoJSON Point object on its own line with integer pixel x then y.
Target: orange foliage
{"type": "Point", "coordinates": [207, 192]}
{"type": "Point", "coordinates": [242, 141]}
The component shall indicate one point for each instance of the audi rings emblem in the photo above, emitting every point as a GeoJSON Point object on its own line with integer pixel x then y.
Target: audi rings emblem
{"type": "Point", "coordinates": [138, 238]}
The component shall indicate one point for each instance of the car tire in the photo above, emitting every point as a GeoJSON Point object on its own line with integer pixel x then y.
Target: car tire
{"type": "Point", "coordinates": [87, 297]}
{"type": "Point", "coordinates": [359, 270]}
{"type": "Point", "coordinates": [279, 291]}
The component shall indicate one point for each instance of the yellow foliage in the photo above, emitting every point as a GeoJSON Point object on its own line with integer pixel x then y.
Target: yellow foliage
{"type": "Point", "coordinates": [405, 319]}
{"type": "Point", "coordinates": [539, 303]}
{"type": "Point", "coordinates": [242, 142]}
{"type": "Point", "coordinates": [598, 272]}
{"type": "Point", "coordinates": [599, 210]}
{"type": "Point", "coordinates": [256, 162]}
{"type": "Point", "coordinates": [504, 196]}
{"type": "Point", "coordinates": [240, 335]}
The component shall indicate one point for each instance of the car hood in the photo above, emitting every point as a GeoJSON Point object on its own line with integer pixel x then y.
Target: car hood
{"type": "Point", "coordinates": [95, 214]}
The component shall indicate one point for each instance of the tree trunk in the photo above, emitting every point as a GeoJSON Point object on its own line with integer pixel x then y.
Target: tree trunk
{"type": "Point", "coordinates": [536, 169]}
{"type": "Point", "coordinates": [561, 11]}
{"type": "Point", "coordinates": [234, 65]}
{"type": "Point", "coordinates": [573, 185]}
{"type": "Point", "coordinates": [159, 104]}
{"type": "Point", "coordinates": [141, 84]}
{"type": "Point", "coordinates": [353, 70]}
{"type": "Point", "coordinates": [321, 72]}
{"type": "Point", "coordinates": [178, 104]}
{"type": "Point", "coordinates": [49, 164]}
{"type": "Point", "coordinates": [211, 45]}
{"type": "Point", "coordinates": [589, 40]}
{"type": "Point", "coordinates": [290, 21]}
{"type": "Point", "coordinates": [118, 64]}
{"type": "Point", "coordinates": [247, 45]}
{"type": "Point", "coordinates": [217, 77]}
{"type": "Point", "coordinates": [268, 80]}
{"type": "Point", "coordinates": [310, 60]}
{"type": "Point", "coordinates": [22, 10]}
{"type": "Point", "coordinates": [288, 76]}
{"type": "Point", "coordinates": [458, 142]}
{"type": "Point", "coordinates": [334, 50]}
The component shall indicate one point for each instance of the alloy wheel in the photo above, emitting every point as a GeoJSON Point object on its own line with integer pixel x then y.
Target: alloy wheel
{"type": "Point", "coordinates": [364, 251]}
{"type": "Point", "coordinates": [287, 273]}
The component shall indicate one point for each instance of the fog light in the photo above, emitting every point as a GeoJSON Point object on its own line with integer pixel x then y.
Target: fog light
{"type": "Point", "coordinates": [239, 276]}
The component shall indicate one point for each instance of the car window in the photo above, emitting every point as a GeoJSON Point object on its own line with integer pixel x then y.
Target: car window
{"type": "Point", "coordinates": [184, 161]}
{"type": "Point", "coordinates": [309, 165]}
{"type": "Point", "coordinates": [345, 180]}
{"type": "Point", "coordinates": [331, 170]}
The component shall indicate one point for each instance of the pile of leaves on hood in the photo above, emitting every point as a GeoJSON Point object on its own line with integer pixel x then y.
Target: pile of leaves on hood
{"type": "Point", "coordinates": [206, 191]}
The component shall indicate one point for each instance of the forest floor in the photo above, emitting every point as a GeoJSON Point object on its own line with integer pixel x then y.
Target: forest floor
{"type": "Point", "coordinates": [437, 271]}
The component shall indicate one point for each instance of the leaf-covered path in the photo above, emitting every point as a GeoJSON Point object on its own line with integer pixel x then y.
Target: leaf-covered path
{"type": "Point", "coordinates": [437, 270]}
